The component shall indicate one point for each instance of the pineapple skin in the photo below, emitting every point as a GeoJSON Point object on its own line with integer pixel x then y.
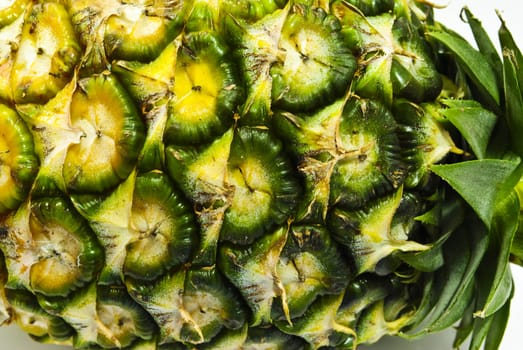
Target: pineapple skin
{"type": "Point", "coordinates": [230, 174]}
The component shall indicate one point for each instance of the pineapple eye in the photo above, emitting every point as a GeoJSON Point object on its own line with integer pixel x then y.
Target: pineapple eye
{"type": "Point", "coordinates": [349, 152]}
{"type": "Point", "coordinates": [139, 33]}
{"type": "Point", "coordinates": [320, 324]}
{"type": "Point", "coordinates": [128, 30]}
{"type": "Point", "coordinates": [206, 88]}
{"type": "Point", "coordinates": [176, 300]}
{"type": "Point", "coordinates": [210, 303]}
{"type": "Point", "coordinates": [113, 136]}
{"type": "Point", "coordinates": [242, 180]}
{"type": "Point", "coordinates": [316, 67]}
{"type": "Point", "coordinates": [376, 167]}
{"type": "Point", "coordinates": [162, 226]}
{"type": "Point", "coordinates": [33, 319]}
{"type": "Point", "coordinates": [264, 189]}
{"type": "Point", "coordinates": [413, 74]}
{"type": "Point", "coordinates": [37, 75]}
{"type": "Point", "coordinates": [67, 254]}
{"type": "Point", "coordinates": [18, 163]}
{"type": "Point", "coordinates": [122, 320]}
{"type": "Point", "coordinates": [252, 270]}
{"type": "Point", "coordinates": [394, 61]}
{"type": "Point", "coordinates": [310, 265]}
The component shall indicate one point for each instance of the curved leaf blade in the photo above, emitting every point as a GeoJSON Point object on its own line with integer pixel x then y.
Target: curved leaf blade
{"type": "Point", "coordinates": [484, 43]}
{"type": "Point", "coordinates": [473, 62]}
{"type": "Point", "coordinates": [495, 279]}
{"type": "Point", "coordinates": [454, 284]}
{"type": "Point", "coordinates": [513, 99]}
{"type": "Point", "coordinates": [481, 183]}
{"type": "Point", "coordinates": [497, 329]}
{"type": "Point", "coordinates": [474, 122]}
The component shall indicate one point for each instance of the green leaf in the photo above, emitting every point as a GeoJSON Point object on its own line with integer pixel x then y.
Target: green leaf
{"type": "Point", "coordinates": [473, 63]}
{"type": "Point", "coordinates": [475, 243]}
{"type": "Point", "coordinates": [497, 329]}
{"type": "Point", "coordinates": [447, 215]}
{"type": "Point", "coordinates": [480, 332]}
{"type": "Point", "coordinates": [489, 331]}
{"type": "Point", "coordinates": [495, 279]}
{"type": "Point", "coordinates": [426, 260]}
{"type": "Point", "coordinates": [517, 243]}
{"type": "Point", "coordinates": [456, 307]}
{"type": "Point", "coordinates": [513, 96]}
{"type": "Point", "coordinates": [454, 283]}
{"type": "Point", "coordinates": [485, 45]}
{"type": "Point", "coordinates": [423, 309]}
{"type": "Point", "coordinates": [480, 182]}
{"type": "Point", "coordinates": [500, 292]}
{"type": "Point", "coordinates": [465, 327]}
{"type": "Point", "coordinates": [507, 43]}
{"type": "Point", "coordinates": [474, 122]}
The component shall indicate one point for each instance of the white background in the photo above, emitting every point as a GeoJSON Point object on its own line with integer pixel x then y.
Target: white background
{"type": "Point", "coordinates": [512, 10]}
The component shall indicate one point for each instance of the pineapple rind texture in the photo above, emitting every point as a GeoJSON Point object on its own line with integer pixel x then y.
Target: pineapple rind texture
{"type": "Point", "coordinates": [248, 174]}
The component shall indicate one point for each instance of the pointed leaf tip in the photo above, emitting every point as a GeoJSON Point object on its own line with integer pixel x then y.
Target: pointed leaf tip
{"type": "Point", "coordinates": [481, 183]}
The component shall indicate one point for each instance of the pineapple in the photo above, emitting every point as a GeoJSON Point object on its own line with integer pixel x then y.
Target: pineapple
{"type": "Point", "coordinates": [255, 174]}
